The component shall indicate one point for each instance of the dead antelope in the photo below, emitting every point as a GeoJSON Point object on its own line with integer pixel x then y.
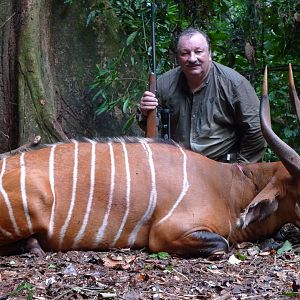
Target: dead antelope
{"type": "Point", "coordinates": [97, 196]}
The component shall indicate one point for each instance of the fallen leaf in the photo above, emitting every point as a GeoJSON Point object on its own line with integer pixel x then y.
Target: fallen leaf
{"type": "Point", "coordinates": [253, 251]}
{"type": "Point", "coordinates": [142, 277]}
{"type": "Point", "coordinates": [50, 281]}
{"type": "Point", "coordinates": [287, 246]}
{"type": "Point", "coordinates": [243, 245]}
{"type": "Point", "coordinates": [233, 260]}
{"type": "Point", "coordinates": [70, 270]}
{"type": "Point", "coordinates": [130, 258]}
{"type": "Point", "coordinates": [115, 262]}
{"type": "Point", "coordinates": [265, 253]}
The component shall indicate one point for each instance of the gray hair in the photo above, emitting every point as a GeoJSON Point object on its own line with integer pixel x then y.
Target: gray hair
{"type": "Point", "coordinates": [190, 32]}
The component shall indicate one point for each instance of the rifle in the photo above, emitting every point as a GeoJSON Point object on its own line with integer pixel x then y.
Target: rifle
{"type": "Point", "coordinates": [151, 119]}
{"type": "Point", "coordinates": [164, 113]}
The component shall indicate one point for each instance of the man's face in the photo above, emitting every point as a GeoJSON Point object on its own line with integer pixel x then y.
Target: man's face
{"type": "Point", "coordinates": [194, 55]}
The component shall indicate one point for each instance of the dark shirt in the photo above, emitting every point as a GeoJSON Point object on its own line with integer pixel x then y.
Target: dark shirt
{"type": "Point", "coordinates": [219, 119]}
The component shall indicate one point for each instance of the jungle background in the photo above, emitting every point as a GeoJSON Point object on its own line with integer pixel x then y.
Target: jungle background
{"type": "Point", "coordinates": [72, 69]}
{"type": "Point", "coordinates": [77, 68]}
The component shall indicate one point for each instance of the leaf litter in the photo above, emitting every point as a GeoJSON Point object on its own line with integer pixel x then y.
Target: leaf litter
{"type": "Point", "coordinates": [270, 270]}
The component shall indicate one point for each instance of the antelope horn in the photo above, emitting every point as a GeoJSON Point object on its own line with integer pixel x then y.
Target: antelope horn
{"type": "Point", "coordinates": [293, 93]}
{"type": "Point", "coordinates": [286, 154]}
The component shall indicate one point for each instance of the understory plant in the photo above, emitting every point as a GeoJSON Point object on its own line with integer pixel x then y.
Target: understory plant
{"type": "Point", "coordinates": [245, 35]}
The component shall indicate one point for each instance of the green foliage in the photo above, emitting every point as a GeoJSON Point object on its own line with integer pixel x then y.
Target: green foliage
{"type": "Point", "coordinates": [240, 256]}
{"type": "Point", "coordinates": [160, 255]}
{"type": "Point", "coordinates": [245, 35]}
{"type": "Point", "coordinates": [291, 294]}
{"type": "Point", "coordinates": [120, 82]}
{"type": "Point", "coordinates": [25, 286]}
{"type": "Point", "coordinates": [169, 269]}
{"type": "Point", "coordinates": [114, 90]}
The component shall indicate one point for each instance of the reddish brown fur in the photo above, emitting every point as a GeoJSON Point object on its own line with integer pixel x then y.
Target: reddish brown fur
{"type": "Point", "coordinates": [218, 193]}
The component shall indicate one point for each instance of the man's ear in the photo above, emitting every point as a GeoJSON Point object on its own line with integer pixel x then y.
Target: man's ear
{"type": "Point", "coordinates": [261, 207]}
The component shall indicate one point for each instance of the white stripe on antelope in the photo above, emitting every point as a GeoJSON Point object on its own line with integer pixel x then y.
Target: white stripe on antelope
{"type": "Point", "coordinates": [140, 193]}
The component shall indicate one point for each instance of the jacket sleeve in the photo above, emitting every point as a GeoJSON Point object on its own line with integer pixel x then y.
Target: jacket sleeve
{"type": "Point", "coordinates": [252, 144]}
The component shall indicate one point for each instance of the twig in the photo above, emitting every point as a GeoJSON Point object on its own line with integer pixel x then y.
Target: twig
{"type": "Point", "coordinates": [189, 296]}
{"type": "Point", "coordinates": [63, 294]}
{"type": "Point", "coordinates": [7, 20]}
{"type": "Point", "coordinates": [181, 274]}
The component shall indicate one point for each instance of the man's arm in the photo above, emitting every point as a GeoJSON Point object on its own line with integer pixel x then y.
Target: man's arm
{"type": "Point", "coordinates": [252, 142]}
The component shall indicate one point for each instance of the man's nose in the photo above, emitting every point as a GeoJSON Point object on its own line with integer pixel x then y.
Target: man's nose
{"type": "Point", "coordinates": [192, 57]}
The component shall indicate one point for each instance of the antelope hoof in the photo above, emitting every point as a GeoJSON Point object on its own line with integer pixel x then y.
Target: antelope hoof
{"type": "Point", "coordinates": [211, 244]}
{"type": "Point", "coordinates": [205, 244]}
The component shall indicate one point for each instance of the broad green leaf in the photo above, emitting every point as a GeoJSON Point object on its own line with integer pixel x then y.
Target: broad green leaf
{"type": "Point", "coordinates": [240, 256]}
{"type": "Point", "coordinates": [125, 105]}
{"type": "Point", "coordinates": [153, 255]}
{"type": "Point", "coordinates": [163, 255]}
{"type": "Point", "coordinates": [131, 38]}
{"type": "Point", "coordinates": [160, 255]}
{"type": "Point", "coordinates": [91, 16]}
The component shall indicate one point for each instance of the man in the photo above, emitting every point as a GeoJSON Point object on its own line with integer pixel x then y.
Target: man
{"type": "Point", "coordinates": [213, 109]}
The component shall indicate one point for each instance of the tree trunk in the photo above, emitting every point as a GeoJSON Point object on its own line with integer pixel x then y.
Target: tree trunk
{"type": "Point", "coordinates": [48, 60]}
{"type": "Point", "coordinates": [37, 107]}
{"type": "Point", "coordinates": [9, 18]}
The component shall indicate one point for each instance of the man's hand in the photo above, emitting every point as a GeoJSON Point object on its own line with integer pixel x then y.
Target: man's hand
{"type": "Point", "coordinates": [148, 102]}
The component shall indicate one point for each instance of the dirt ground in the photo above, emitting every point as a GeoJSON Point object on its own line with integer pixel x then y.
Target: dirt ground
{"type": "Point", "coordinates": [270, 270]}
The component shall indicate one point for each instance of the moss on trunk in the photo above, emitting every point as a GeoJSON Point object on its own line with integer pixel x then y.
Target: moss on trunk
{"type": "Point", "coordinates": [36, 101]}
{"type": "Point", "coordinates": [44, 89]}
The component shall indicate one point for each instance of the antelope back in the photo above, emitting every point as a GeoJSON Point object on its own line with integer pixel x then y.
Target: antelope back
{"type": "Point", "coordinates": [89, 195]}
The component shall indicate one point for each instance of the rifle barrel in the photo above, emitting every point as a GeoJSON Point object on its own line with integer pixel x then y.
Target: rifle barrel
{"type": "Point", "coordinates": [151, 119]}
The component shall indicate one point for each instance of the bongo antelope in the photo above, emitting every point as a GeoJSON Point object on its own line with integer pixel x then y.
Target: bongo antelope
{"type": "Point", "coordinates": [140, 193]}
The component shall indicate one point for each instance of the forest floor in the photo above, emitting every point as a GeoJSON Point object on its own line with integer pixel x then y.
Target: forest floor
{"type": "Point", "coordinates": [270, 270]}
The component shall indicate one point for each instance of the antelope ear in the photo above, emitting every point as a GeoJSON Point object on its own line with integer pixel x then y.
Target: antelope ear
{"type": "Point", "coordinates": [261, 207]}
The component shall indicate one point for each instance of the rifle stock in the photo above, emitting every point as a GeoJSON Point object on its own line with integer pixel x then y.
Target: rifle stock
{"type": "Point", "coordinates": [151, 119]}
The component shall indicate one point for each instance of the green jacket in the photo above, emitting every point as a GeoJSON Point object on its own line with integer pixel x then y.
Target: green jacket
{"type": "Point", "coordinates": [221, 118]}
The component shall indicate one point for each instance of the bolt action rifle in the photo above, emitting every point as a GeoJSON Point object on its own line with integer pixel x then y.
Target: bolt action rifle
{"type": "Point", "coordinates": [152, 114]}
{"type": "Point", "coordinates": [161, 114]}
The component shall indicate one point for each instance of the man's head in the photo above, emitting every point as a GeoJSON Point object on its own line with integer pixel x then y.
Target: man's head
{"type": "Point", "coordinates": [194, 55]}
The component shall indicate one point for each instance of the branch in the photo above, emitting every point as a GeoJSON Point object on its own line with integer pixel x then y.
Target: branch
{"type": "Point", "coordinates": [7, 20]}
